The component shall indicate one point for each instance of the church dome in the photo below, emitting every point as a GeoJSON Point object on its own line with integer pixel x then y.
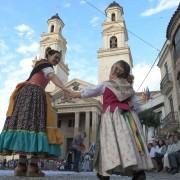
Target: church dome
{"type": "Point", "coordinates": [114, 4]}
{"type": "Point", "coordinates": [56, 16]}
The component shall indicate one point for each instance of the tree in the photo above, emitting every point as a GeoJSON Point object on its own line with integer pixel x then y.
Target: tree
{"type": "Point", "coordinates": [149, 118]}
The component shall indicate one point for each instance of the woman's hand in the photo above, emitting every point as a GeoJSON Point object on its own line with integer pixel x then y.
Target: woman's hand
{"type": "Point", "coordinates": [58, 83]}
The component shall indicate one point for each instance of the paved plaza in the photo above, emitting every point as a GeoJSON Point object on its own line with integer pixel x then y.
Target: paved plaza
{"type": "Point", "coordinates": [59, 175]}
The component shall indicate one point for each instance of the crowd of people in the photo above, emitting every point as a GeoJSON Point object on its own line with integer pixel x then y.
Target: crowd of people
{"type": "Point", "coordinates": [67, 164]}
{"type": "Point", "coordinates": [165, 153]}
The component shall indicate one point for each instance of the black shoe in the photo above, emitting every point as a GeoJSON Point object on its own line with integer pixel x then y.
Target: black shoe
{"type": "Point", "coordinates": [174, 171]}
{"type": "Point", "coordinates": [169, 170]}
{"type": "Point", "coordinates": [139, 175]}
{"type": "Point", "coordinates": [100, 177]}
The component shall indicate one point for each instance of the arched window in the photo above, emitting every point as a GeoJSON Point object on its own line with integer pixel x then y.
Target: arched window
{"type": "Point", "coordinates": [60, 30]}
{"type": "Point", "coordinates": [113, 17]}
{"type": "Point", "coordinates": [52, 28]}
{"type": "Point", "coordinates": [113, 42]}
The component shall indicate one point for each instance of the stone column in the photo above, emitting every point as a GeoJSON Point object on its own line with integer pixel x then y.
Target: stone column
{"type": "Point", "coordinates": [94, 125]}
{"type": "Point", "coordinates": [76, 125]}
{"type": "Point", "coordinates": [87, 128]}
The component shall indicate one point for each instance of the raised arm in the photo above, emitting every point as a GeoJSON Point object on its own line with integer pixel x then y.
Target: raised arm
{"type": "Point", "coordinates": [92, 91]}
{"type": "Point", "coordinates": [58, 82]}
{"type": "Point", "coordinates": [88, 92]}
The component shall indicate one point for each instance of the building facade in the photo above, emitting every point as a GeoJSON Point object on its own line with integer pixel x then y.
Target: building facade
{"type": "Point", "coordinates": [169, 64]}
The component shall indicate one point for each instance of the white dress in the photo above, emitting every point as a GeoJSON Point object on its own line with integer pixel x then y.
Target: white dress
{"type": "Point", "coordinates": [117, 148]}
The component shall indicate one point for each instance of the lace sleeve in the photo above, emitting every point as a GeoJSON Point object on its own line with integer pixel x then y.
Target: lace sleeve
{"type": "Point", "coordinates": [92, 92]}
{"type": "Point", "coordinates": [47, 70]}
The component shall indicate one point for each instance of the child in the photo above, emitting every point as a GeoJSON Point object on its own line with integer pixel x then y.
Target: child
{"type": "Point", "coordinates": [120, 145]}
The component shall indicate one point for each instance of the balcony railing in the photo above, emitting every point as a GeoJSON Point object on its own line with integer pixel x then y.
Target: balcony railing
{"type": "Point", "coordinates": [170, 121]}
{"type": "Point", "coordinates": [166, 83]}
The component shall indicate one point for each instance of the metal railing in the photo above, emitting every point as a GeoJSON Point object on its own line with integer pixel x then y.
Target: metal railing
{"type": "Point", "coordinates": [170, 120]}
{"type": "Point", "coordinates": [167, 78]}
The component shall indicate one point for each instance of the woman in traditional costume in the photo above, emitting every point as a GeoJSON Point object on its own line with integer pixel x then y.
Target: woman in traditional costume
{"type": "Point", "coordinates": [30, 126]}
{"type": "Point", "coordinates": [120, 146]}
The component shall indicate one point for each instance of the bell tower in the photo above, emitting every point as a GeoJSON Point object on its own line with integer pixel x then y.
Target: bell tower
{"type": "Point", "coordinates": [54, 39]}
{"type": "Point", "coordinates": [115, 41]}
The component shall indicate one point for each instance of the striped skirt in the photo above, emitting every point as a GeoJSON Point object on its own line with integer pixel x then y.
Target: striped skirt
{"type": "Point", "coordinates": [25, 131]}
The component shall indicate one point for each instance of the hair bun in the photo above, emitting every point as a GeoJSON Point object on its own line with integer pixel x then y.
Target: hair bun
{"type": "Point", "coordinates": [130, 78]}
{"type": "Point", "coordinates": [48, 49]}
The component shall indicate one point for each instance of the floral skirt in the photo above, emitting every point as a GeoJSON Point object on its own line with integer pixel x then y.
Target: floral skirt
{"type": "Point", "coordinates": [120, 145]}
{"type": "Point", "coordinates": [25, 131]}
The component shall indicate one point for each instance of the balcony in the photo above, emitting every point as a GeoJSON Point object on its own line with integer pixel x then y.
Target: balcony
{"type": "Point", "coordinates": [170, 122]}
{"type": "Point", "coordinates": [166, 84]}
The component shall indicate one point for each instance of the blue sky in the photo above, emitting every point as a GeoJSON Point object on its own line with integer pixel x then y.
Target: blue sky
{"type": "Point", "coordinates": [22, 23]}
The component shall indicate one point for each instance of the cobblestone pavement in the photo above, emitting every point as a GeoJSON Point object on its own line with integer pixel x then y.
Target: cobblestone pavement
{"type": "Point", "coordinates": [57, 175]}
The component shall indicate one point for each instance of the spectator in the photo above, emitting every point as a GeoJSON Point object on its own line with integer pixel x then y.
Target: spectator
{"type": "Point", "coordinates": [174, 157]}
{"type": "Point", "coordinates": [69, 161]}
{"type": "Point", "coordinates": [171, 148]}
{"type": "Point", "coordinates": [86, 164]}
{"type": "Point", "coordinates": [160, 154]}
{"type": "Point", "coordinates": [78, 147]}
{"type": "Point", "coordinates": [153, 150]}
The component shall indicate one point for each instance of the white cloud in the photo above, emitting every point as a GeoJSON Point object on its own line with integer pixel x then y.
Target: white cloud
{"type": "Point", "coordinates": [161, 6]}
{"type": "Point", "coordinates": [94, 21]}
{"type": "Point", "coordinates": [152, 81]}
{"type": "Point", "coordinates": [76, 48]}
{"type": "Point", "coordinates": [67, 5]}
{"type": "Point", "coordinates": [30, 49]}
{"type": "Point", "coordinates": [82, 2]}
{"type": "Point", "coordinates": [3, 47]}
{"type": "Point", "coordinates": [81, 68]}
{"type": "Point", "coordinates": [6, 56]}
{"type": "Point", "coordinates": [24, 30]}
{"type": "Point", "coordinates": [19, 74]}
{"type": "Point", "coordinates": [8, 69]}
{"type": "Point", "coordinates": [3, 52]}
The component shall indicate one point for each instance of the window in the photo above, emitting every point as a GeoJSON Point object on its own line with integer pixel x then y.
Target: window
{"type": "Point", "coordinates": [58, 121]}
{"type": "Point", "coordinates": [52, 28]}
{"type": "Point", "coordinates": [166, 68]}
{"type": "Point", "coordinates": [60, 30]}
{"type": "Point", "coordinates": [69, 144]}
{"type": "Point", "coordinates": [171, 104]}
{"type": "Point", "coordinates": [70, 123]}
{"type": "Point", "coordinates": [178, 78]}
{"type": "Point", "coordinates": [177, 44]}
{"type": "Point", "coordinates": [113, 17]}
{"type": "Point", "coordinates": [113, 42]}
{"type": "Point", "coordinates": [90, 119]}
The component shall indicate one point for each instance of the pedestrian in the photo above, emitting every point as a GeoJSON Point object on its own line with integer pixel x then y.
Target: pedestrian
{"type": "Point", "coordinates": [86, 164]}
{"type": "Point", "coordinates": [120, 146]}
{"type": "Point", "coordinates": [69, 161]}
{"type": "Point", "coordinates": [78, 147]}
{"type": "Point", "coordinates": [30, 126]}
